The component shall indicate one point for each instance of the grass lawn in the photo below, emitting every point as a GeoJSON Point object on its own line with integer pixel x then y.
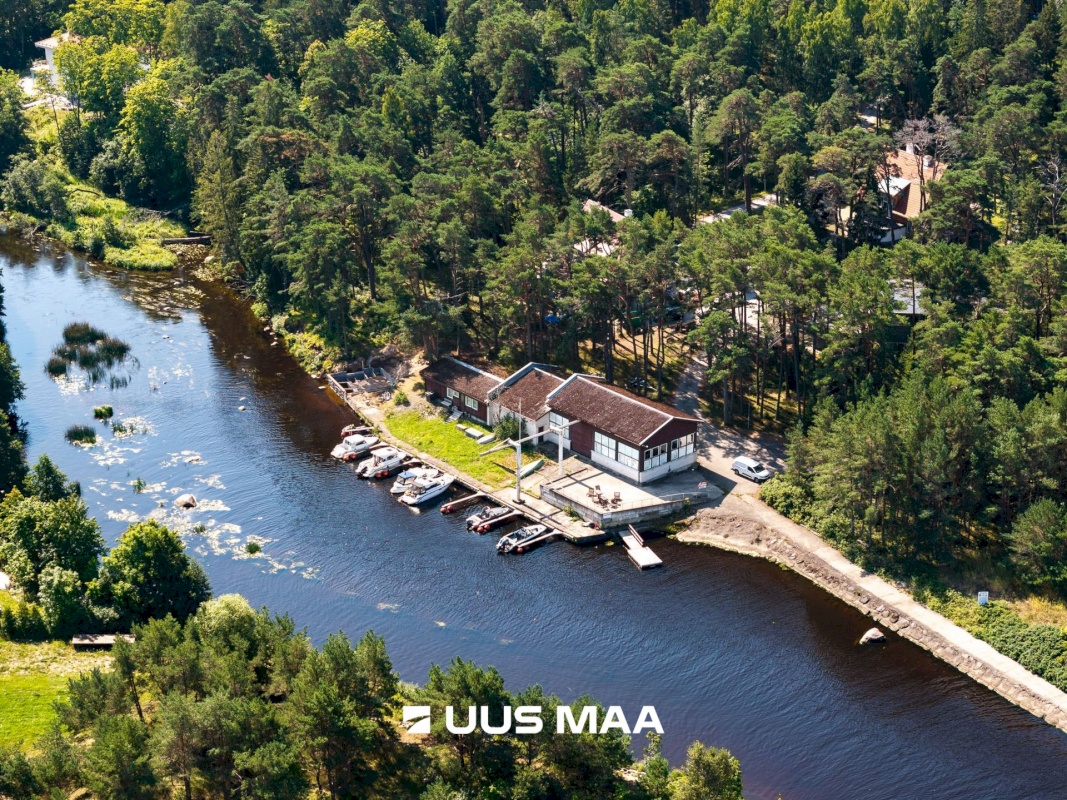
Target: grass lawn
{"type": "Point", "coordinates": [26, 706]}
{"type": "Point", "coordinates": [32, 677]}
{"type": "Point", "coordinates": [445, 441]}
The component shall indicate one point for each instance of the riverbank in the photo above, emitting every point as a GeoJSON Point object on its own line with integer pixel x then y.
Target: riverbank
{"type": "Point", "coordinates": [743, 524]}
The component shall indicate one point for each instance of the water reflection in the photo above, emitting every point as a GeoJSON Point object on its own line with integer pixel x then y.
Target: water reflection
{"type": "Point", "coordinates": [731, 650]}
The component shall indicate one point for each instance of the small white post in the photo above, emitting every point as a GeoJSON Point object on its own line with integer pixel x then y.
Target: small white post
{"type": "Point", "coordinates": [559, 440]}
{"type": "Point", "coordinates": [518, 472]}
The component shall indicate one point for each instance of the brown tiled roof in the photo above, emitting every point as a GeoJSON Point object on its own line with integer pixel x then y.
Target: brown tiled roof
{"type": "Point", "coordinates": [903, 164]}
{"type": "Point", "coordinates": [462, 377]}
{"type": "Point", "coordinates": [612, 409]}
{"type": "Point", "coordinates": [528, 395]}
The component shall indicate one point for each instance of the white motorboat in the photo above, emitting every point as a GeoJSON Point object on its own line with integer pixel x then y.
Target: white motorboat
{"type": "Point", "coordinates": [517, 540]}
{"type": "Point", "coordinates": [354, 447]}
{"type": "Point", "coordinates": [423, 490]}
{"type": "Point", "coordinates": [484, 515]}
{"type": "Point", "coordinates": [407, 478]}
{"type": "Point", "coordinates": [381, 462]}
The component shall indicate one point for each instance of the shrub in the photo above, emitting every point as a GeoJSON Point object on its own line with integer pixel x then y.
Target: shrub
{"type": "Point", "coordinates": [508, 428]}
{"type": "Point", "coordinates": [56, 366]}
{"type": "Point", "coordinates": [81, 434]}
{"type": "Point", "coordinates": [787, 498]}
{"type": "Point", "coordinates": [400, 398]}
{"type": "Point", "coordinates": [23, 624]}
{"type": "Point", "coordinates": [103, 412]}
{"type": "Point", "coordinates": [33, 188]}
{"type": "Point", "coordinates": [252, 548]}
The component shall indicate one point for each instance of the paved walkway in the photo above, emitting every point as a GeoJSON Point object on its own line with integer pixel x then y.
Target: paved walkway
{"type": "Point", "coordinates": [744, 524]}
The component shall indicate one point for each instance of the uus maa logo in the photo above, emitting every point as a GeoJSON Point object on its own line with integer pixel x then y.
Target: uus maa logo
{"type": "Point", "coordinates": [527, 720]}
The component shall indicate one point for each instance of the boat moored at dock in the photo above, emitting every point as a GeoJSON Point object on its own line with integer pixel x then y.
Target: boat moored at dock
{"type": "Point", "coordinates": [406, 479]}
{"type": "Point", "coordinates": [426, 489]}
{"type": "Point", "coordinates": [354, 447]}
{"type": "Point", "coordinates": [518, 541]}
{"type": "Point", "coordinates": [382, 462]}
{"type": "Point", "coordinates": [484, 515]}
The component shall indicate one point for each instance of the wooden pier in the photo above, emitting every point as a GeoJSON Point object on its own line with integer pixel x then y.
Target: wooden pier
{"type": "Point", "coordinates": [639, 552]}
{"type": "Point", "coordinates": [463, 502]}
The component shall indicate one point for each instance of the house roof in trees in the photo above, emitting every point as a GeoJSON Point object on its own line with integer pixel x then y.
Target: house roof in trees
{"type": "Point", "coordinates": [591, 204]}
{"type": "Point", "coordinates": [902, 182]}
{"type": "Point", "coordinates": [612, 409]}
{"type": "Point", "coordinates": [462, 377]}
{"type": "Point", "coordinates": [528, 395]}
{"type": "Point", "coordinates": [52, 42]}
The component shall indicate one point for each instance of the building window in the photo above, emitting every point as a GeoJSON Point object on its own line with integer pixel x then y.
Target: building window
{"type": "Point", "coordinates": [557, 421]}
{"type": "Point", "coordinates": [680, 448]}
{"type": "Point", "coordinates": [451, 393]}
{"type": "Point", "coordinates": [655, 456]}
{"type": "Point", "coordinates": [604, 445]}
{"type": "Point", "coordinates": [470, 402]}
{"type": "Point", "coordinates": [628, 456]}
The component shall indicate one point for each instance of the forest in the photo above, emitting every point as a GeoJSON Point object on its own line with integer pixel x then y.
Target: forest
{"type": "Point", "coordinates": [418, 172]}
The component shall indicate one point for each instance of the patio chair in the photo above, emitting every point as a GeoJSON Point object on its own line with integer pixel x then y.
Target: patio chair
{"type": "Point", "coordinates": [617, 498]}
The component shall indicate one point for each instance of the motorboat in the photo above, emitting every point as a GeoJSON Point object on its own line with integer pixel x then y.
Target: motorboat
{"type": "Point", "coordinates": [423, 490]}
{"type": "Point", "coordinates": [484, 515]}
{"type": "Point", "coordinates": [354, 447]}
{"type": "Point", "coordinates": [407, 478]}
{"type": "Point", "coordinates": [518, 540]}
{"type": "Point", "coordinates": [381, 462]}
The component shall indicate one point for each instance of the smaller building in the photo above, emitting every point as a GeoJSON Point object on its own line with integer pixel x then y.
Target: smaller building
{"type": "Point", "coordinates": [640, 439]}
{"type": "Point", "coordinates": [524, 395]}
{"type": "Point", "coordinates": [51, 44]}
{"type": "Point", "coordinates": [462, 385]}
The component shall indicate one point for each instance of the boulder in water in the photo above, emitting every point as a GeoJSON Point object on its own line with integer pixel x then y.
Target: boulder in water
{"type": "Point", "coordinates": [185, 501]}
{"type": "Point", "coordinates": [872, 636]}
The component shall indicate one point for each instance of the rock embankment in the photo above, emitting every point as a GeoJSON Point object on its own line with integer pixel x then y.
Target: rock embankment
{"type": "Point", "coordinates": [744, 525]}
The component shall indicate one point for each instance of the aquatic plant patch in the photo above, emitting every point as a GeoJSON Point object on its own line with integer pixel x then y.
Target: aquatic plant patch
{"type": "Point", "coordinates": [92, 351]}
{"type": "Point", "coordinates": [81, 434]}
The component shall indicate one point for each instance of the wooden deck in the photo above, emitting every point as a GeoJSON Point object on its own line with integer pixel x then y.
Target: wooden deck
{"type": "Point", "coordinates": [639, 552]}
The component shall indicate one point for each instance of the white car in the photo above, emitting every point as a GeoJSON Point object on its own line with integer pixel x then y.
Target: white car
{"type": "Point", "coordinates": [746, 467]}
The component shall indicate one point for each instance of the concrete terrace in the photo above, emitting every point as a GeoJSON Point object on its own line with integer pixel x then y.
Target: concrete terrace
{"type": "Point", "coordinates": [591, 492]}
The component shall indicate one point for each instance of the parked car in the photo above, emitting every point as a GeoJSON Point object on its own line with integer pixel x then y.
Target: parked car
{"type": "Point", "coordinates": [749, 468]}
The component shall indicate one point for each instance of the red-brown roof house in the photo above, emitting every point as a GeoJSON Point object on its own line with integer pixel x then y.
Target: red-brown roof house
{"type": "Point", "coordinates": [464, 386]}
{"type": "Point", "coordinates": [524, 394]}
{"type": "Point", "coordinates": [633, 436]}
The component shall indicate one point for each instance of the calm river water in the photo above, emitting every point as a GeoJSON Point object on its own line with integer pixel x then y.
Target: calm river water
{"type": "Point", "coordinates": [730, 650]}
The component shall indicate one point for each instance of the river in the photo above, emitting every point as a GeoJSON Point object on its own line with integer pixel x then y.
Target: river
{"type": "Point", "coordinates": [730, 650]}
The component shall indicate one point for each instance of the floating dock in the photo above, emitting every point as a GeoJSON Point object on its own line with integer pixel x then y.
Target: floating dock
{"type": "Point", "coordinates": [639, 552]}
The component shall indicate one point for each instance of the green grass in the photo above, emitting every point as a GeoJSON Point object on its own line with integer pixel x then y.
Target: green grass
{"type": "Point", "coordinates": [26, 706]}
{"type": "Point", "coordinates": [442, 440]}
{"type": "Point", "coordinates": [32, 677]}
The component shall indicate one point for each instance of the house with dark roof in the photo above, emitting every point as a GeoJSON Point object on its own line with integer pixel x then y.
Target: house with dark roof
{"type": "Point", "coordinates": [461, 385]}
{"type": "Point", "coordinates": [524, 395]}
{"type": "Point", "coordinates": [632, 436]}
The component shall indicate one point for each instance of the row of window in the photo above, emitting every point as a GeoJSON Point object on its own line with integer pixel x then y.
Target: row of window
{"type": "Point", "coordinates": [616, 451]}
{"type": "Point", "coordinates": [469, 402]}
